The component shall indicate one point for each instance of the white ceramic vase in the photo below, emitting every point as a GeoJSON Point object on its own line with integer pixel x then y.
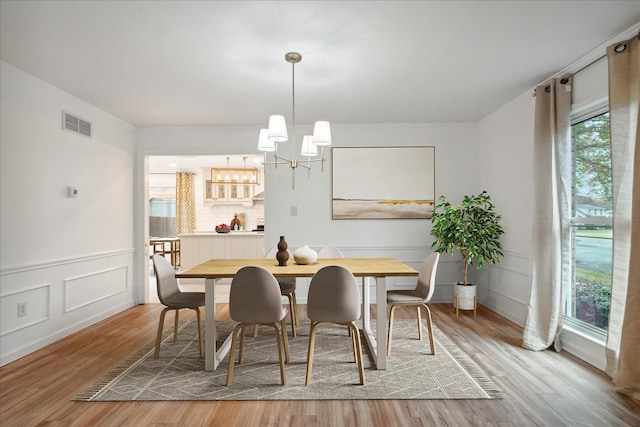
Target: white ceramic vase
{"type": "Point", "coordinates": [305, 255]}
{"type": "Point", "coordinates": [465, 296]}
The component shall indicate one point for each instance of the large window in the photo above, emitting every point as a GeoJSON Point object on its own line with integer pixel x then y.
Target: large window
{"type": "Point", "coordinates": [591, 233]}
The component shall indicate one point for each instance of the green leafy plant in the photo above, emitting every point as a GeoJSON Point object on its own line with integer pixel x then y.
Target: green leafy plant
{"type": "Point", "coordinates": [472, 227]}
{"type": "Point", "coordinates": [593, 297]}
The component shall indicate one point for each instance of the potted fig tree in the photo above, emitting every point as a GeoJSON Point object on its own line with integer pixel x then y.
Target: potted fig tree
{"type": "Point", "coordinates": [473, 228]}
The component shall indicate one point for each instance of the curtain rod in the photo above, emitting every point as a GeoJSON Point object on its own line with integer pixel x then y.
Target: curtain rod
{"type": "Point", "coordinates": [598, 59]}
{"type": "Point", "coordinates": [604, 56]}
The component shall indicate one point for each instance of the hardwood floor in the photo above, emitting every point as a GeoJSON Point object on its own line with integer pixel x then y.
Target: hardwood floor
{"type": "Point", "coordinates": [544, 388]}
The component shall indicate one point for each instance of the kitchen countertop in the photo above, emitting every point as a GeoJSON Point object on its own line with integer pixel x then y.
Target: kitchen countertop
{"type": "Point", "coordinates": [231, 233]}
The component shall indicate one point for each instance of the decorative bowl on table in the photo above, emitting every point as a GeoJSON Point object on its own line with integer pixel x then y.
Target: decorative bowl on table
{"type": "Point", "coordinates": [304, 255]}
{"type": "Point", "coordinates": [222, 228]}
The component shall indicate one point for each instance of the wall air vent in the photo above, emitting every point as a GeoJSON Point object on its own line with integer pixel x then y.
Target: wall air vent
{"type": "Point", "coordinates": [75, 124]}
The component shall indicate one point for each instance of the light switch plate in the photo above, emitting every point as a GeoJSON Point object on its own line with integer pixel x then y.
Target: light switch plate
{"type": "Point", "coordinates": [72, 191]}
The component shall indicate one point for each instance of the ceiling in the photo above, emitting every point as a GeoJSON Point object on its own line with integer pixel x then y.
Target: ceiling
{"type": "Point", "coordinates": [187, 63]}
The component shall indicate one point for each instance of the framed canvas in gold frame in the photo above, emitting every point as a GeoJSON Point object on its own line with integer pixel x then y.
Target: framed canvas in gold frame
{"type": "Point", "coordinates": [383, 182]}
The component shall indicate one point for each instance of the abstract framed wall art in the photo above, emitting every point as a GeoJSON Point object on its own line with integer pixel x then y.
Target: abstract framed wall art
{"type": "Point", "coordinates": [383, 182]}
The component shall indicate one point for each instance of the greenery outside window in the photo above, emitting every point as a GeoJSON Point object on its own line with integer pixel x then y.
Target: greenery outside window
{"type": "Point", "coordinates": [588, 299]}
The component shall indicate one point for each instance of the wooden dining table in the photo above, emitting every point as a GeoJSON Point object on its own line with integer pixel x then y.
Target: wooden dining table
{"type": "Point", "coordinates": [378, 268]}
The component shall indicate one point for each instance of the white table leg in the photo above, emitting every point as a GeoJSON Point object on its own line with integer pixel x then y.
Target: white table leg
{"type": "Point", "coordinates": [211, 334]}
{"type": "Point", "coordinates": [378, 342]}
{"type": "Point", "coordinates": [381, 313]}
{"type": "Point", "coordinates": [212, 356]}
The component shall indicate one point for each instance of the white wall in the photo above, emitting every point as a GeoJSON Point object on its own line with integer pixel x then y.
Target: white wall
{"type": "Point", "coordinates": [69, 259]}
{"type": "Point", "coordinates": [408, 240]}
{"type": "Point", "coordinates": [506, 141]}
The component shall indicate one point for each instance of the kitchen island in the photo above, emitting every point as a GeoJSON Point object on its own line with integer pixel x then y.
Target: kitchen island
{"type": "Point", "coordinates": [198, 247]}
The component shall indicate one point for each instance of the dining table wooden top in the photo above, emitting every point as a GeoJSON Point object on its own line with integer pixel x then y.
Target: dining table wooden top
{"type": "Point", "coordinates": [360, 267]}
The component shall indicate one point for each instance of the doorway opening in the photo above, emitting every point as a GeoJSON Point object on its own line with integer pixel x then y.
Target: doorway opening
{"type": "Point", "coordinates": [216, 202]}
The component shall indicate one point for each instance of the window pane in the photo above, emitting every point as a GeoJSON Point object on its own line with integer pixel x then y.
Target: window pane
{"type": "Point", "coordinates": [592, 276]}
{"type": "Point", "coordinates": [162, 217]}
{"type": "Point", "coordinates": [592, 236]}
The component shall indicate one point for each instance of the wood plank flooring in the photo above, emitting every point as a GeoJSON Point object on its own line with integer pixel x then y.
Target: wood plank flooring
{"type": "Point", "coordinates": [544, 388]}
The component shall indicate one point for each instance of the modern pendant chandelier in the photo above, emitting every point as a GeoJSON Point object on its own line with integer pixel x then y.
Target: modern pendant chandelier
{"type": "Point", "coordinates": [276, 133]}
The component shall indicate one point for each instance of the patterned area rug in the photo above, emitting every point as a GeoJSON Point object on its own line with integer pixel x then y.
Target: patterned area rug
{"type": "Point", "coordinates": [412, 373]}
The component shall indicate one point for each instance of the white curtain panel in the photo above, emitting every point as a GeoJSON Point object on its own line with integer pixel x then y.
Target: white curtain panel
{"type": "Point", "coordinates": [551, 216]}
{"type": "Point", "coordinates": [623, 342]}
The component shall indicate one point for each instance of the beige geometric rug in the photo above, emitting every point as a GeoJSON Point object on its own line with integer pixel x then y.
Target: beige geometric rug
{"type": "Point", "coordinates": [412, 372]}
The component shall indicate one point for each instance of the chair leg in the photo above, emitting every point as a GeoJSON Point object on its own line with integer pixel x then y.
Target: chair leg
{"type": "Point", "coordinates": [242, 334]}
{"type": "Point", "coordinates": [312, 342]}
{"type": "Point", "coordinates": [430, 329]}
{"type": "Point", "coordinates": [356, 333]}
{"type": "Point", "coordinates": [232, 354]}
{"type": "Point", "coordinates": [286, 340]}
{"type": "Point", "coordinates": [175, 325]}
{"type": "Point", "coordinates": [295, 308]}
{"type": "Point", "coordinates": [292, 312]}
{"type": "Point", "coordinates": [353, 341]}
{"type": "Point", "coordinates": [279, 334]}
{"type": "Point", "coordinates": [393, 308]}
{"type": "Point", "coordinates": [255, 330]}
{"type": "Point", "coordinates": [419, 324]}
{"type": "Point", "coordinates": [197, 310]}
{"type": "Point", "coordinates": [159, 336]}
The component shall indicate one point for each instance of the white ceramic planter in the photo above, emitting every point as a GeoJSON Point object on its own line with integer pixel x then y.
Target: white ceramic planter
{"type": "Point", "coordinates": [305, 255]}
{"type": "Point", "coordinates": [465, 296]}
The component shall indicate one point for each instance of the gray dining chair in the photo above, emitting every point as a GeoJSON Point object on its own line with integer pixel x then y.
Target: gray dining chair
{"type": "Point", "coordinates": [330, 252]}
{"type": "Point", "coordinates": [333, 298]}
{"type": "Point", "coordinates": [254, 299]}
{"type": "Point", "coordinates": [417, 298]}
{"type": "Point", "coordinates": [173, 298]}
{"type": "Point", "coordinates": [287, 289]}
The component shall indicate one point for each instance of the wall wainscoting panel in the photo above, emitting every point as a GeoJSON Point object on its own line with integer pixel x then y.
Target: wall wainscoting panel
{"type": "Point", "coordinates": [25, 308]}
{"type": "Point", "coordinates": [46, 301]}
{"type": "Point", "coordinates": [506, 286]}
{"type": "Point", "coordinates": [5, 270]}
{"type": "Point", "coordinates": [87, 289]}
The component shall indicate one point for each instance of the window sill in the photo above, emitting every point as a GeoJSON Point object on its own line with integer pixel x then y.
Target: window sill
{"type": "Point", "coordinates": [584, 344]}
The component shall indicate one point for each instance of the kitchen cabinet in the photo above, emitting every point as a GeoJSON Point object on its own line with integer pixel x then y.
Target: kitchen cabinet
{"type": "Point", "coordinates": [236, 191]}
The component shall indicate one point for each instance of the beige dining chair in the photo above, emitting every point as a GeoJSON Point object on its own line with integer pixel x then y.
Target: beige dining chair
{"type": "Point", "coordinates": [333, 298]}
{"type": "Point", "coordinates": [418, 298]}
{"type": "Point", "coordinates": [330, 252]}
{"type": "Point", "coordinates": [254, 299]}
{"type": "Point", "coordinates": [173, 298]}
{"type": "Point", "coordinates": [287, 289]}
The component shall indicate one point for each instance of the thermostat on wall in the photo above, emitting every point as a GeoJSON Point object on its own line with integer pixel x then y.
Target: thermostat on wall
{"type": "Point", "coordinates": [72, 191]}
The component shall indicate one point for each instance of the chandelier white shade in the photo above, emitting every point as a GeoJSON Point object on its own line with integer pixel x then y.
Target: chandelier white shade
{"type": "Point", "coordinates": [264, 143]}
{"type": "Point", "coordinates": [276, 133]}
{"type": "Point", "coordinates": [309, 149]}
{"type": "Point", "coordinates": [322, 134]}
{"type": "Point", "coordinates": [277, 129]}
